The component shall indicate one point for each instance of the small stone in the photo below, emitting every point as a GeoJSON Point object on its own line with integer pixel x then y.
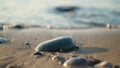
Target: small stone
{"type": "Point", "coordinates": [3, 40]}
{"type": "Point", "coordinates": [49, 27]}
{"type": "Point", "coordinates": [116, 66]}
{"type": "Point", "coordinates": [76, 62]}
{"type": "Point", "coordinates": [93, 61]}
{"type": "Point", "coordinates": [27, 43]}
{"type": "Point", "coordinates": [2, 27]}
{"type": "Point", "coordinates": [16, 26]}
{"type": "Point", "coordinates": [58, 59]}
{"type": "Point", "coordinates": [108, 26]}
{"type": "Point", "coordinates": [11, 66]}
{"type": "Point", "coordinates": [104, 64]}
{"type": "Point", "coordinates": [36, 56]}
{"type": "Point", "coordinates": [73, 56]}
{"type": "Point", "coordinates": [59, 62]}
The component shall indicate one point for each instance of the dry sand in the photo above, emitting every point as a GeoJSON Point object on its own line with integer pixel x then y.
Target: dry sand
{"type": "Point", "coordinates": [101, 43]}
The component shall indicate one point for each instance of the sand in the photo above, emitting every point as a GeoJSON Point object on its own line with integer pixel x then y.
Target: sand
{"type": "Point", "coordinates": [101, 43]}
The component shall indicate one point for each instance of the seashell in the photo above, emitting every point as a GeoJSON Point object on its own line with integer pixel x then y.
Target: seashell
{"type": "Point", "coordinates": [104, 64]}
{"type": "Point", "coordinates": [60, 44]}
{"type": "Point", "coordinates": [76, 62]}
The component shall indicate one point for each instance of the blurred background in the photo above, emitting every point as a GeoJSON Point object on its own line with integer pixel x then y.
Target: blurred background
{"type": "Point", "coordinates": [61, 13]}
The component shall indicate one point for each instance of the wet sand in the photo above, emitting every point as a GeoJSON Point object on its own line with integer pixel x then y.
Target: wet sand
{"type": "Point", "coordinates": [101, 43]}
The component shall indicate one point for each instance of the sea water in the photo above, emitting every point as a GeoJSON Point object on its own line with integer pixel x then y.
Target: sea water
{"type": "Point", "coordinates": [91, 13]}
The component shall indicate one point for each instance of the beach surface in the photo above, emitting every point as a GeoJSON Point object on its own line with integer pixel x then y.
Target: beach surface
{"type": "Point", "coordinates": [100, 43]}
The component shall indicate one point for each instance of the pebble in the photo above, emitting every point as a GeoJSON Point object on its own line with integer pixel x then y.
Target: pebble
{"type": "Point", "coordinates": [27, 43]}
{"type": "Point", "coordinates": [58, 59]}
{"type": "Point", "coordinates": [104, 64]}
{"type": "Point", "coordinates": [11, 66]}
{"type": "Point", "coordinates": [38, 54]}
{"type": "Point", "coordinates": [116, 66]}
{"type": "Point", "coordinates": [108, 26]}
{"type": "Point", "coordinates": [19, 26]}
{"type": "Point", "coordinates": [49, 27]}
{"type": "Point", "coordinates": [3, 40]}
{"type": "Point", "coordinates": [93, 61]}
{"type": "Point", "coordinates": [2, 27]}
{"type": "Point", "coordinates": [60, 44]}
{"type": "Point", "coordinates": [76, 62]}
{"type": "Point", "coordinates": [73, 56]}
{"type": "Point", "coordinates": [16, 26]}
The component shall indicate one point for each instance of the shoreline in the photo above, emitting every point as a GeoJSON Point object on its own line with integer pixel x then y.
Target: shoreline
{"type": "Point", "coordinates": [24, 26]}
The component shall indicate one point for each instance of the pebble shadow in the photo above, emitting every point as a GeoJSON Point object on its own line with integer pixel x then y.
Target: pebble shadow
{"type": "Point", "coordinates": [90, 50]}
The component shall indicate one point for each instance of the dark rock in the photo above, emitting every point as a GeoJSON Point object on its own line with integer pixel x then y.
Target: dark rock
{"type": "Point", "coordinates": [66, 8]}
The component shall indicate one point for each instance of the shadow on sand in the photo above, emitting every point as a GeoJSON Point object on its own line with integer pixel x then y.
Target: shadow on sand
{"type": "Point", "coordinates": [90, 50]}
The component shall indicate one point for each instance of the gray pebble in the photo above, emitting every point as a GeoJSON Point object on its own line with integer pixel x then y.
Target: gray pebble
{"type": "Point", "coordinates": [76, 62]}
{"type": "Point", "coordinates": [60, 44]}
{"type": "Point", "coordinates": [104, 64]}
